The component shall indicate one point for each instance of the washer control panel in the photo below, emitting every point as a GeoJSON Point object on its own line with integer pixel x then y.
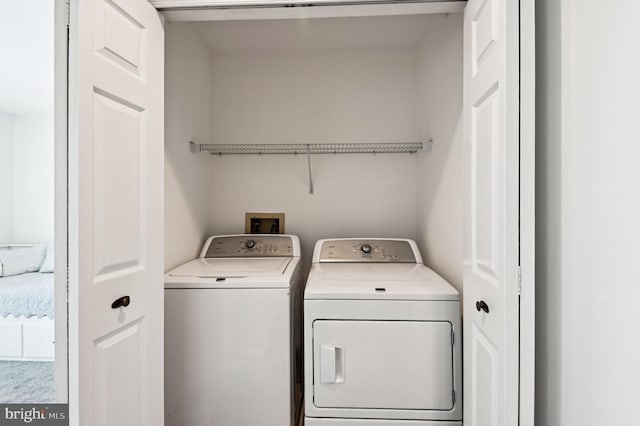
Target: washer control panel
{"type": "Point", "coordinates": [366, 250]}
{"type": "Point", "coordinates": [250, 246]}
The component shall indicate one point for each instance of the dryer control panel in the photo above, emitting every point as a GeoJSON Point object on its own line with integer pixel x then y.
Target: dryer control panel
{"type": "Point", "coordinates": [367, 250]}
{"type": "Point", "coordinates": [249, 246]}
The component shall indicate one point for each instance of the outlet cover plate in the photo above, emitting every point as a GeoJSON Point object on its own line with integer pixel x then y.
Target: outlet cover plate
{"type": "Point", "coordinates": [263, 223]}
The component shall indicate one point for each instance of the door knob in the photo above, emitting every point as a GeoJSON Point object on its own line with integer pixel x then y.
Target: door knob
{"type": "Point", "coordinates": [482, 306]}
{"type": "Point", "coordinates": [121, 302]}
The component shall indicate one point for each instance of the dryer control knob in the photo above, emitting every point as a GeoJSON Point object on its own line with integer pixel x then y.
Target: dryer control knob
{"type": "Point", "coordinates": [365, 249]}
{"type": "Point", "coordinates": [250, 244]}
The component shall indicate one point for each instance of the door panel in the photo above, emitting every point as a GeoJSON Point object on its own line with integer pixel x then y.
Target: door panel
{"type": "Point", "coordinates": [120, 37]}
{"type": "Point", "coordinates": [119, 236]}
{"type": "Point", "coordinates": [484, 147]}
{"type": "Point", "coordinates": [484, 32]}
{"type": "Point", "coordinates": [383, 364]}
{"type": "Point", "coordinates": [117, 367]}
{"type": "Point", "coordinates": [484, 371]}
{"type": "Point", "coordinates": [491, 237]}
{"type": "Point", "coordinates": [116, 213]}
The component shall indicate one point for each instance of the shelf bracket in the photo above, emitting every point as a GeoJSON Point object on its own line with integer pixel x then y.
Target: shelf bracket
{"type": "Point", "coordinates": [194, 147]}
{"type": "Point", "coordinates": [427, 146]}
{"type": "Point", "coordinates": [309, 166]}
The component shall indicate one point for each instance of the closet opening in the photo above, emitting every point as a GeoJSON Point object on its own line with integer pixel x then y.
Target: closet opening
{"type": "Point", "coordinates": [338, 80]}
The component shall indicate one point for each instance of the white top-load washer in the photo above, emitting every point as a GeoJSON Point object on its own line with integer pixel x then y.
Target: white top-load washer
{"type": "Point", "coordinates": [382, 338]}
{"type": "Point", "coordinates": [233, 334]}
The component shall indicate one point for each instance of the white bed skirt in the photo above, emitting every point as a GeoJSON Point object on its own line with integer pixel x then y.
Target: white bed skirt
{"type": "Point", "coordinates": [27, 339]}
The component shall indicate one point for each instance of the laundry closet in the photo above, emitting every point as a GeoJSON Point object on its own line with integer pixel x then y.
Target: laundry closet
{"type": "Point", "coordinates": [445, 85]}
{"type": "Point", "coordinates": [341, 80]}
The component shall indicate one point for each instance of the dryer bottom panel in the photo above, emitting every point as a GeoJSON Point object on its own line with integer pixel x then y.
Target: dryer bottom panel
{"type": "Point", "coordinates": [314, 421]}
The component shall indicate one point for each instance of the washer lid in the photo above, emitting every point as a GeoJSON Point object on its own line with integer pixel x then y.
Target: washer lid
{"type": "Point", "coordinates": [393, 281]}
{"type": "Point", "coordinates": [232, 267]}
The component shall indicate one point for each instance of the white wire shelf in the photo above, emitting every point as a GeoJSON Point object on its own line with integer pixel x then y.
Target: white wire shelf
{"type": "Point", "coordinates": [312, 148]}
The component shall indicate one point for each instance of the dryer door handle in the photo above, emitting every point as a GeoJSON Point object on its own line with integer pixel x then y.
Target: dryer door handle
{"type": "Point", "coordinates": [331, 364]}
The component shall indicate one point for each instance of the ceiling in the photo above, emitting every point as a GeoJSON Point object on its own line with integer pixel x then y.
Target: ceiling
{"type": "Point", "coordinates": [27, 58]}
{"type": "Point", "coordinates": [325, 33]}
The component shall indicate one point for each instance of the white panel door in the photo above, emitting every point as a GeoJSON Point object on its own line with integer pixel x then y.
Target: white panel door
{"type": "Point", "coordinates": [491, 238]}
{"type": "Point", "coordinates": [116, 213]}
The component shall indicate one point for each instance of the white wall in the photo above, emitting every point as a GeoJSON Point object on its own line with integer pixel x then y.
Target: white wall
{"type": "Point", "coordinates": [26, 74]}
{"type": "Point", "coordinates": [26, 121]}
{"type": "Point", "coordinates": [439, 187]}
{"type": "Point", "coordinates": [187, 117]}
{"type": "Point", "coordinates": [6, 176]}
{"type": "Point", "coordinates": [588, 209]}
{"type": "Point", "coordinates": [33, 181]}
{"type": "Point", "coordinates": [321, 96]}
{"type": "Point", "coordinates": [26, 178]}
{"type": "Point", "coordinates": [363, 95]}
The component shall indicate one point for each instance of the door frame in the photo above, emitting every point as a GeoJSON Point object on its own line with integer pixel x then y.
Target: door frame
{"type": "Point", "coordinates": [527, 213]}
{"type": "Point", "coordinates": [61, 44]}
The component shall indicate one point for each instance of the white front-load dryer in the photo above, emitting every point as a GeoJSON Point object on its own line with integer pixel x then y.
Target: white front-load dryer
{"type": "Point", "coordinates": [233, 334]}
{"type": "Point", "coordinates": [382, 338]}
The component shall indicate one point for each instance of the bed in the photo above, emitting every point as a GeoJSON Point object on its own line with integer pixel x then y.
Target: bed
{"type": "Point", "coordinates": [26, 313]}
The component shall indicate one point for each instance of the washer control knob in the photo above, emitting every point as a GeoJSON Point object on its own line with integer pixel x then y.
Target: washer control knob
{"type": "Point", "coordinates": [250, 244]}
{"type": "Point", "coordinates": [365, 249]}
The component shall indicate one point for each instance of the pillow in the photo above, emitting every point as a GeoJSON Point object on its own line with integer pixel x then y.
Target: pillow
{"type": "Point", "coordinates": [21, 260]}
{"type": "Point", "coordinates": [48, 265]}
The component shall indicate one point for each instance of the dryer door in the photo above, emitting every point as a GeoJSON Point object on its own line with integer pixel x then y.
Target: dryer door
{"type": "Point", "coordinates": [383, 364]}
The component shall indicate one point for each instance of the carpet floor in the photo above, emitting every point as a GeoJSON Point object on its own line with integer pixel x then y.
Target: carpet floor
{"type": "Point", "coordinates": [26, 382]}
